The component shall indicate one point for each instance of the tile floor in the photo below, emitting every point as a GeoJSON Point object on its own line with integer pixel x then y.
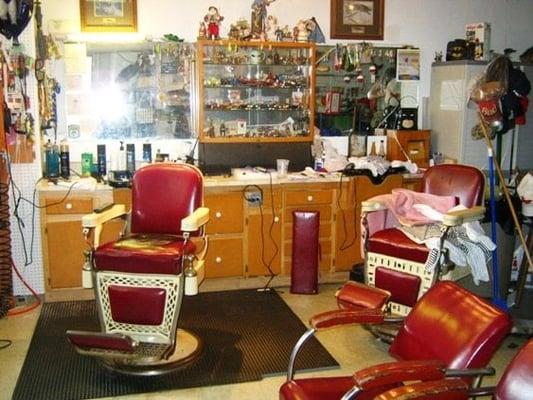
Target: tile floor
{"type": "Point", "coordinates": [353, 348]}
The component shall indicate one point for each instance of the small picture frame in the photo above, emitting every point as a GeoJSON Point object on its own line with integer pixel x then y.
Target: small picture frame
{"type": "Point", "coordinates": [108, 15]}
{"type": "Point", "coordinates": [408, 65]}
{"type": "Point", "coordinates": [357, 19]}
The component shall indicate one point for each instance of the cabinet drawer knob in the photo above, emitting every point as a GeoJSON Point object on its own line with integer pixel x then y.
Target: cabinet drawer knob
{"type": "Point", "coordinates": [309, 198]}
{"type": "Point", "coordinates": [276, 219]}
{"type": "Point", "coordinates": [218, 260]}
{"type": "Point", "coordinates": [68, 206]}
{"type": "Point", "coordinates": [218, 214]}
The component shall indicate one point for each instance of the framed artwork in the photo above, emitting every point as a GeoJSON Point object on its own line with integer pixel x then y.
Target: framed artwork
{"type": "Point", "coordinates": [357, 19]}
{"type": "Point", "coordinates": [108, 15]}
{"type": "Point", "coordinates": [408, 64]}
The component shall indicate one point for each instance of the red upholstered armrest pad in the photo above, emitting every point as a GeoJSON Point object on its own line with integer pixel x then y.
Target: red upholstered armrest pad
{"type": "Point", "coordinates": [344, 317]}
{"type": "Point", "coordinates": [97, 340]}
{"type": "Point", "coordinates": [357, 295]}
{"type": "Point", "coordinates": [397, 372]}
{"type": "Point", "coordinates": [445, 389]}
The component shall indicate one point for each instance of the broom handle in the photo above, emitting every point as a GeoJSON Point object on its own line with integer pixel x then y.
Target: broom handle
{"type": "Point", "coordinates": [519, 292]}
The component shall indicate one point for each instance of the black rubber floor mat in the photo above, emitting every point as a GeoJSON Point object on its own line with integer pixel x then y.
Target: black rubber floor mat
{"type": "Point", "coordinates": [247, 335]}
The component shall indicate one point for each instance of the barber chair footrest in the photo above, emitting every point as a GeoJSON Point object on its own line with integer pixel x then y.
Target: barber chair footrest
{"type": "Point", "coordinates": [143, 358]}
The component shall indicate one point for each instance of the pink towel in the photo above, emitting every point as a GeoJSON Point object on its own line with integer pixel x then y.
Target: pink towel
{"type": "Point", "coordinates": [400, 210]}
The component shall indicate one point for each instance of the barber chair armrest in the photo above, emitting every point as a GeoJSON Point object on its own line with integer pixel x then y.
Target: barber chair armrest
{"type": "Point", "coordinates": [455, 218]}
{"type": "Point", "coordinates": [398, 372]}
{"type": "Point", "coordinates": [334, 318]}
{"type": "Point", "coordinates": [95, 219]}
{"type": "Point", "coordinates": [193, 222]}
{"type": "Point", "coordinates": [445, 389]}
{"type": "Point", "coordinates": [368, 206]}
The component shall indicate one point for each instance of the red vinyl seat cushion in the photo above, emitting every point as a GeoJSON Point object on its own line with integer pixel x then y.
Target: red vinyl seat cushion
{"type": "Point", "coordinates": [394, 243]}
{"type": "Point", "coordinates": [143, 253]}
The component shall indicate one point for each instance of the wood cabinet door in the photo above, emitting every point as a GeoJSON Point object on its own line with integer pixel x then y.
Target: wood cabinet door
{"type": "Point", "coordinates": [224, 258]}
{"type": "Point", "coordinates": [264, 244]}
{"type": "Point", "coordinates": [65, 254]}
{"type": "Point", "coordinates": [225, 212]}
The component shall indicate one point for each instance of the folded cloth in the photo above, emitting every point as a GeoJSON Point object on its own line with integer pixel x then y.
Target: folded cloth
{"type": "Point", "coordinates": [405, 205]}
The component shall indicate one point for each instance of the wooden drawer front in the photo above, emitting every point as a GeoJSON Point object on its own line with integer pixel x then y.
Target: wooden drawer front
{"type": "Point", "coordinates": [304, 197]}
{"type": "Point", "coordinates": [69, 206]}
{"type": "Point", "coordinates": [226, 213]}
{"type": "Point", "coordinates": [224, 258]}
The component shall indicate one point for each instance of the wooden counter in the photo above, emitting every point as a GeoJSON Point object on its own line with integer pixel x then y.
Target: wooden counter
{"type": "Point", "coordinates": [250, 228]}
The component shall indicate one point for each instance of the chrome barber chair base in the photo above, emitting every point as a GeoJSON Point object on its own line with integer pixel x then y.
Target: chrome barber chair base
{"type": "Point", "coordinates": [189, 347]}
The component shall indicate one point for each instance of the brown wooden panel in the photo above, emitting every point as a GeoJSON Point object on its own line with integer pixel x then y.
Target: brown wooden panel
{"type": "Point", "coordinates": [111, 230]}
{"type": "Point", "coordinates": [225, 211]}
{"type": "Point", "coordinates": [65, 253]}
{"type": "Point", "coordinates": [78, 205]}
{"type": "Point", "coordinates": [365, 189]}
{"type": "Point", "coordinates": [302, 197]}
{"type": "Point", "coordinates": [413, 184]}
{"type": "Point", "coordinates": [264, 249]}
{"type": "Point", "coordinates": [224, 258]}
{"type": "Point", "coordinates": [122, 196]}
{"type": "Point", "coordinates": [347, 240]}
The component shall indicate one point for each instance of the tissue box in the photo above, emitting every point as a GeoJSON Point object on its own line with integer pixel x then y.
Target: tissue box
{"type": "Point", "coordinates": [478, 34]}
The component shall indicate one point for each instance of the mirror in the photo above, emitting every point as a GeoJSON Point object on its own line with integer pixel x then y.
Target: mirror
{"type": "Point", "coordinates": [128, 90]}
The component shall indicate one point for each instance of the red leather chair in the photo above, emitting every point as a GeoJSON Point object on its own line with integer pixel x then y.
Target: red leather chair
{"type": "Point", "coordinates": [396, 264]}
{"type": "Point", "coordinates": [449, 327]}
{"type": "Point", "coordinates": [515, 384]}
{"type": "Point", "coordinates": [141, 278]}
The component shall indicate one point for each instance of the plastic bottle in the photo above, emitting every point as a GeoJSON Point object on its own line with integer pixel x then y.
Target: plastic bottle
{"type": "Point", "coordinates": [51, 153]}
{"type": "Point", "coordinates": [64, 156]}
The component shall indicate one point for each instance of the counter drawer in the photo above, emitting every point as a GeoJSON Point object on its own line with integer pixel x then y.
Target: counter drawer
{"type": "Point", "coordinates": [224, 258]}
{"type": "Point", "coordinates": [225, 213]}
{"type": "Point", "coordinates": [294, 198]}
{"type": "Point", "coordinates": [79, 205]}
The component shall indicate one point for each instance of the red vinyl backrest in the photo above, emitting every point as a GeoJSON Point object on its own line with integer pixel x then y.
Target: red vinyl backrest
{"type": "Point", "coordinates": [517, 380]}
{"type": "Point", "coordinates": [453, 325]}
{"type": "Point", "coordinates": [465, 182]}
{"type": "Point", "coordinates": [162, 195]}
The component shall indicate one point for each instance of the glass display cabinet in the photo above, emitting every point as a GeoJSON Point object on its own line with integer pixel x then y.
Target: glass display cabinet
{"type": "Point", "coordinates": [255, 91]}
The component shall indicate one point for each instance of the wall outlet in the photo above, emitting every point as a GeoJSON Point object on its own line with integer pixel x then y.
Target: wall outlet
{"type": "Point", "coordinates": [254, 198]}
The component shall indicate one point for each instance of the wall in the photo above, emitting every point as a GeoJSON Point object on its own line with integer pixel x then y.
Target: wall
{"type": "Point", "coordinates": [427, 24]}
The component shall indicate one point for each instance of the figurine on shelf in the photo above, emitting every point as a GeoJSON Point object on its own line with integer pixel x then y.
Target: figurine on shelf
{"type": "Point", "coordinates": [213, 19]}
{"type": "Point", "coordinates": [271, 28]}
{"type": "Point", "coordinates": [301, 34]}
{"type": "Point", "coordinates": [259, 16]}
{"type": "Point", "coordinates": [202, 33]}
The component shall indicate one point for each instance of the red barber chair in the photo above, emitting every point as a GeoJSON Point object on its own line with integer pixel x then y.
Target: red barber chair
{"type": "Point", "coordinates": [448, 328]}
{"type": "Point", "coordinates": [141, 278]}
{"type": "Point", "coordinates": [515, 384]}
{"type": "Point", "coordinates": [395, 264]}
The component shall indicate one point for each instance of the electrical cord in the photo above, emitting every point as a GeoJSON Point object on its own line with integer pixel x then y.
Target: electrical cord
{"type": "Point", "coordinates": [344, 245]}
{"type": "Point", "coordinates": [268, 265]}
{"type": "Point", "coordinates": [5, 343]}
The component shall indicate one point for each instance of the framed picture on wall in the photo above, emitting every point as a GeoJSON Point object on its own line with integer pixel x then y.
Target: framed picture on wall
{"type": "Point", "coordinates": [357, 19]}
{"type": "Point", "coordinates": [408, 64]}
{"type": "Point", "coordinates": [108, 15]}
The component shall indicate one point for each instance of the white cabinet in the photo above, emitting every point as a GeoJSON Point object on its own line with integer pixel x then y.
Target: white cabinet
{"type": "Point", "coordinates": [452, 117]}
